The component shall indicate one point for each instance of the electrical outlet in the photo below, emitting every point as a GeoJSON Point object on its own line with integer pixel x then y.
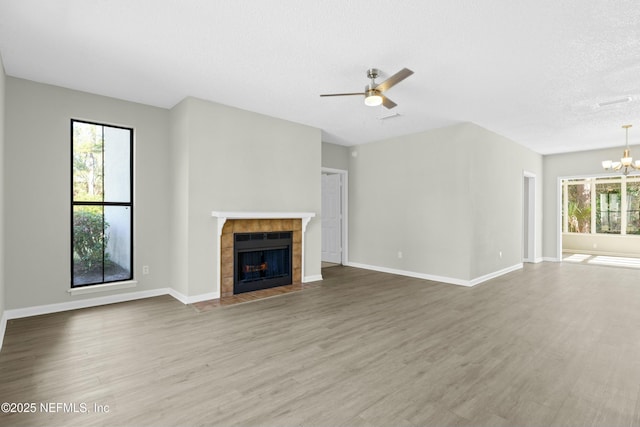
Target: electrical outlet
{"type": "Point", "coordinates": [399, 254]}
{"type": "Point", "coordinates": [500, 254]}
{"type": "Point", "coordinates": [145, 269]}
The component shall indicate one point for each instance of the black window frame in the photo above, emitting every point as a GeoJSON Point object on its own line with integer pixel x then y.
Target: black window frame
{"type": "Point", "coordinates": [103, 204]}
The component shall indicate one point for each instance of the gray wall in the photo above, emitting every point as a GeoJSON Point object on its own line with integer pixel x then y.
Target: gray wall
{"type": "Point", "coordinates": [449, 199]}
{"type": "Point", "coordinates": [583, 163]}
{"type": "Point", "coordinates": [191, 160]}
{"type": "Point", "coordinates": [2, 181]}
{"type": "Point", "coordinates": [37, 197]}
{"type": "Point", "coordinates": [496, 179]}
{"type": "Point", "coordinates": [335, 156]}
{"type": "Point", "coordinates": [235, 160]}
{"type": "Point", "coordinates": [179, 197]}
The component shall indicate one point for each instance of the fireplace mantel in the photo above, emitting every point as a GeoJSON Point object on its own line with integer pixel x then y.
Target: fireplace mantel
{"type": "Point", "coordinates": [222, 217]}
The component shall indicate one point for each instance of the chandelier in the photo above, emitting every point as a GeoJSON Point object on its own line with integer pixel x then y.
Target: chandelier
{"type": "Point", "coordinates": [626, 161]}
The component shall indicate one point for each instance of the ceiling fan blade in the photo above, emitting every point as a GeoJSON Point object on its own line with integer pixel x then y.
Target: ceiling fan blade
{"type": "Point", "coordinates": [394, 80]}
{"type": "Point", "coordinates": [387, 102]}
{"type": "Point", "coordinates": [343, 94]}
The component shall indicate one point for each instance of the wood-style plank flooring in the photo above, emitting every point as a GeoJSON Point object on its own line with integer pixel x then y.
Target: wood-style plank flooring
{"type": "Point", "coordinates": [550, 345]}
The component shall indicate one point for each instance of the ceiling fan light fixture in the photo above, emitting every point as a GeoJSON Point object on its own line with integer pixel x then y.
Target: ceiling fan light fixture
{"type": "Point", "coordinates": [372, 98]}
{"type": "Point", "coordinates": [373, 92]}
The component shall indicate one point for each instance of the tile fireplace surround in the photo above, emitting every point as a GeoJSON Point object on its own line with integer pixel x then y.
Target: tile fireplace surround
{"type": "Point", "coordinates": [249, 222]}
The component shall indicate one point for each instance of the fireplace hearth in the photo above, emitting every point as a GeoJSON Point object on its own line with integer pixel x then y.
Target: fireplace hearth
{"type": "Point", "coordinates": [262, 260]}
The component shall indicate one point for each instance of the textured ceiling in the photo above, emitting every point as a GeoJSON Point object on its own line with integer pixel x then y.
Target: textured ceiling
{"type": "Point", "coordinates": [531, 70]}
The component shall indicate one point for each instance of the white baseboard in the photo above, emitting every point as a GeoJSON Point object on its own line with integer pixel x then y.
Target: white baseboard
{"type": "Point", "coordinates": [450, 280]}
{"type": "Point", "coordinates": [551, 259]}
{"type": "Point", "coordinates": [18, 313]}
{"type": "Point", "coordinates": [495, 274]}
{"type": "Point", "coordinates": [435, 278]}
{"type": "Point", "coordinates": [315, 278]}
{"type": "Point", "coordinates": [3, 327]}
{"type": "Point", "coordinates": [193, 299]}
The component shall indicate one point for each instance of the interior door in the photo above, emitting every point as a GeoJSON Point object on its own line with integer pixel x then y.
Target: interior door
{"type": "Point", "coordinates": [331, 218]}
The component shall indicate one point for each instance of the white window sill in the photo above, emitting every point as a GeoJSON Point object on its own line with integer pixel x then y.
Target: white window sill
{"type": "Point", "coordinates": [105, 287]}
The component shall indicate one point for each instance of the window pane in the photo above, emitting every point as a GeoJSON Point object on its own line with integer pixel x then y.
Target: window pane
{"type": "Point", "coordinates": [117, 161]}
{"type": "Point", "coordinates": [88, 245]}
{"type": "Point", "coordinates": [87, 162]}
{"type": "Point", "coordinates": [579, 209]}
{"type": "Point", "coordinates": [118, 243]}
{"type": "Point", "coordinates": [608, 204]}
{"type": "Point", "coordinates": [102, 206]}
{"type": "Point", "coordinates": [633, 208]}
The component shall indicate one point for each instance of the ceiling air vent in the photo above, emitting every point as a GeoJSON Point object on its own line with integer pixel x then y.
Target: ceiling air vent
{"type": "Point", "coordinates": [615, 101]}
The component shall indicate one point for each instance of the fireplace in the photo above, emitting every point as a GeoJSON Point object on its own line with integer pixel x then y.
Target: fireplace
{"type": "Point", "coordinates": [262, 260]}
{"type": "Point", "coordinates": [232, 223]}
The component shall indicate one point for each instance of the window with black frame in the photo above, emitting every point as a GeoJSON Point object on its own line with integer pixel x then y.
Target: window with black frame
{"type": "Point", "coordinates": [633, 207]}
{"type": "Point", "coordinates": [608, 207]}
{"type": "Point", "coordinates": [102, 203]}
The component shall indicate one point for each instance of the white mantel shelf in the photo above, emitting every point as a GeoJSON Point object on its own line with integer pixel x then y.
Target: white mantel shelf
{"type": "Point", "coordinates": [222, 217]}
{"type": "Point", "coordinates": [262, 215]}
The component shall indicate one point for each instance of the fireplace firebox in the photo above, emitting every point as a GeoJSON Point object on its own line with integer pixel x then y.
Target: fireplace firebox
{"type": "Point", "coordinates": [262, 260]}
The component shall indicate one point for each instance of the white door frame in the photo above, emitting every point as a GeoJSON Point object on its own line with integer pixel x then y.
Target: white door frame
{"type": "Point", "coordinates": [560, 209]}
{"type": "Point", "coordinates": [344, 196]}
{"type": "Point", "coordinates": [529, 216]}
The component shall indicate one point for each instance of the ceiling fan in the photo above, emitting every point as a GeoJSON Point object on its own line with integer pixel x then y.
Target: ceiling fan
{"type": "Point", "coordinates": [373, 92]}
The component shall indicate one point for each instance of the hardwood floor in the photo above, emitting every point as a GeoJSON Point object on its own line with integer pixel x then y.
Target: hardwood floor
{"type": "Point", "coordinates": [551, 345]}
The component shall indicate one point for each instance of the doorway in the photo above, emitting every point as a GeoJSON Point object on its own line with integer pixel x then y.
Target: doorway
{"type": "Point", "coordinates": [334, 218]}
{"type": "Point", "coordinates": [529, 220]}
